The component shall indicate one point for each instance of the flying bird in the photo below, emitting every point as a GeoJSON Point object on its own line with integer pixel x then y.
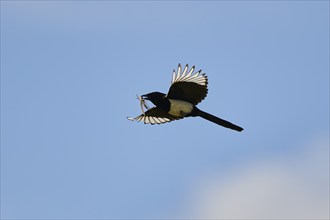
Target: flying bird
{"type": "Point", "coordinates": [186, 91]}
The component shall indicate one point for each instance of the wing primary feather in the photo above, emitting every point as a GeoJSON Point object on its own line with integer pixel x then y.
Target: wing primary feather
{"type": "Point", "coordinates": [186, 75]}
{"type": "Point", "coordinates": [178, 73]}
{"type": "Point", "coordinates": [131, 119]}
{"type": "Point", "coordinates": [146, 120]}
{"type": "Point", "coordinates": [196, 74]}
{"type": "Point", "coordinates": [191, 70]}
{"type": "Point", "coordinates": [152, 120]}
{"type": "Point", "coordinates": [183, 74]}
{"type": "Point", "coordinates": [157, 120]}
{"type": "Point", "coordinates": [185, 69]}
{"type": "Point", "coordinates": [173, 76]}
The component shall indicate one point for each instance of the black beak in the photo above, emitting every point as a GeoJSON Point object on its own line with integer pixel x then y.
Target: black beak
{"type": "Point", "coordinates": [145, 97]}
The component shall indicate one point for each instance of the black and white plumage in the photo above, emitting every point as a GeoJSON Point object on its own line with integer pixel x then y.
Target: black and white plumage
{"type": "Point", "coordinates": [186, 91]}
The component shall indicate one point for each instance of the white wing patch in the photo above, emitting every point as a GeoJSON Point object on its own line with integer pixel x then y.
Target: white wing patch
{"type": "Point", "coordinates": [180, 108]}
{"type": "Point", "coordinates": [150, 119]}
{"type": "Point", "coordinates": [188, 76]}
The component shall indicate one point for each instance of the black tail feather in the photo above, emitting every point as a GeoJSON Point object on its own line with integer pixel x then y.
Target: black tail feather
{"type": "Point", "coordinates": [214, 119]}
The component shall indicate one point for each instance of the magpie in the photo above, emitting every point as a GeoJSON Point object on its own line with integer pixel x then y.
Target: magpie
{"type": "Point", "coordinates": [186, 91]}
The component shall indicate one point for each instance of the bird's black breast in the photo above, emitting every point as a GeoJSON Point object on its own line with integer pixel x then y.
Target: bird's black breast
{"type": "Point", "coordinates": [162, 103]}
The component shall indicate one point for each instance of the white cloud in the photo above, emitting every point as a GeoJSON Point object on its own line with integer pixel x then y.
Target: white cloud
{"type": "Point", "coordinates": [295, 187]}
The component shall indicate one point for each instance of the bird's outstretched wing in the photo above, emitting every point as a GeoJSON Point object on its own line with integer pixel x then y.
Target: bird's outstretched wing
{"type": "Point", "coordinates": [188, 86]}
{"type": "Point", "coordinates": [155, 116]}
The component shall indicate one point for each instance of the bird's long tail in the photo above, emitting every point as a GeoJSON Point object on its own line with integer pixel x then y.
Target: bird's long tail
{"type": "Point", "coordinates": [214, 119]}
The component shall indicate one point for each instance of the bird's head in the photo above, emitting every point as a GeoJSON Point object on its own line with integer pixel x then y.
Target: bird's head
{"type": "Point", "coordinates": [153, 96]}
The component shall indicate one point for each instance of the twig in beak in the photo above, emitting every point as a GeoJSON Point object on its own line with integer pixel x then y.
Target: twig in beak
{"type": "Point", "coordinates": [143, 104]}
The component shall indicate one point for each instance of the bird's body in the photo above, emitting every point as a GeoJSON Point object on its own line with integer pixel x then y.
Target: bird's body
{"type": "Point", "coordinates": [180, 108]}
{"type": "Point", "coordinates": [186, 91]}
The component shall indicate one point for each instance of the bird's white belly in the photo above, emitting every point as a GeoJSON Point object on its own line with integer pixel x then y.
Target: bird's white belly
{"type": "Point", "coordinates": [180, 108]}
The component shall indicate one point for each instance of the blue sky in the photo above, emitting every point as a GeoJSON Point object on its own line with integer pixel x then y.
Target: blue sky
{"type": "Point", "coordinates": [70, 73]}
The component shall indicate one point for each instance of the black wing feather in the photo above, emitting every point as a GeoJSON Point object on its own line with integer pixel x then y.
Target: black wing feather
{"type": "Point", "coordinates": [188, 86]}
